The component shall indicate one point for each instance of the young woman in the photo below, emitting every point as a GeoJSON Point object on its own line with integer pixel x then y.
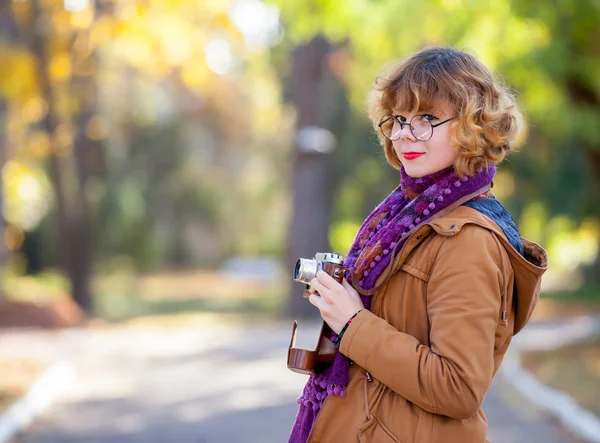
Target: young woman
{"type": "Point", "coordinates": [440, 279]}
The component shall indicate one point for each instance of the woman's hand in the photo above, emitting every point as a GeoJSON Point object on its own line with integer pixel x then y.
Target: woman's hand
{"type": "Point", "coordinates": [337, 303]}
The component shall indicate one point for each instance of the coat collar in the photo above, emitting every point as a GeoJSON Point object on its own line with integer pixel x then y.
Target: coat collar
{"type": "Point", "coordinates": [452, 223]}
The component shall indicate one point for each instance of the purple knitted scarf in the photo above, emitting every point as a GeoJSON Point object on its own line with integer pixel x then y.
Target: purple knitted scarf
{"type": "Point", "coordinates": [378, 242]}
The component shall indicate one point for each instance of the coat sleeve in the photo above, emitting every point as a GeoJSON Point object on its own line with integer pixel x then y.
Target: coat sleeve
{"type": "Point", "coordinates": [451, 376]}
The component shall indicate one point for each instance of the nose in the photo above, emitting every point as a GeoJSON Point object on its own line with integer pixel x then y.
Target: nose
{"type": "Point", "coordinates": [406, 134]}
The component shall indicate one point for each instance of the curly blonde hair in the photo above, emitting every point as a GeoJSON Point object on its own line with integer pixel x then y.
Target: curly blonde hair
{"type": "Point", "coordinates": [488, 122]}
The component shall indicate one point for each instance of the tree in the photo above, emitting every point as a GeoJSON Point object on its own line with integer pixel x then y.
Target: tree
{"type": "Point", "coordinates": [321, 105]}
{"type": "Point", "coordinates": [159, 155]}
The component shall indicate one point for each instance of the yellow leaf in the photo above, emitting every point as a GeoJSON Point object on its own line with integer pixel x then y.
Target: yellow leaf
{"type": "Point", "coordinates": [196, 74]}
{"type": "Point", "coordinates": [19, 77]}
{"type": "Point", "coordinates": [52, 4]}
{"type": "Point", "coordinates": [60, 66]}
{"type": "Point", "coordinates": [216, 6]}
{"type": "Point", "coordinates": [39, 144]}
{"type": "Point", "coordinates": [102, 31]}
{"type": "Point", "coordinates": [22, 12]}
{"type": "Point", "coordinates": [61, 21]}
{"type": "Point", "coordinates": [34, 110]}
{"type": "Point", "coordinates": [27, 194]}
{"type": "Point", "coordinates": [83, 19]}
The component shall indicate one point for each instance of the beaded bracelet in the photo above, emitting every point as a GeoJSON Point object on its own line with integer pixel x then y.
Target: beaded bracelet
{"type": "Point", "coordinates": [341, 334]}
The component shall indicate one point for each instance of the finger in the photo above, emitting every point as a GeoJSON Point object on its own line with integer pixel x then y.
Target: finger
{"type": "Point", "coordinates": [327, 280]}
{"type": "Point", "coordinates": [321, 289]}
{"type": "Point", "coordinates": [322, 305]}
{"type": "Point", "coordinates": [318, 286]}
{"type": "Point", "coordinates": [315, 300]}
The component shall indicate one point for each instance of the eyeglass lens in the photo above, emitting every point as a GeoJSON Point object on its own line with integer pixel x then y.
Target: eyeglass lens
{"type": "Point", "coordinates": [420, 127]}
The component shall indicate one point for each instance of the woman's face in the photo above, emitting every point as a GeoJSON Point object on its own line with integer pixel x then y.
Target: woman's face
{"type": "Point", "coordinates": [421, 158]}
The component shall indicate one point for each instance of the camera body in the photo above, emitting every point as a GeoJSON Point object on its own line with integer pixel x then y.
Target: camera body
{"type": "Point", "coordinates": [305, 361]}
{"type": "Point", "coordinates": [330, 262]}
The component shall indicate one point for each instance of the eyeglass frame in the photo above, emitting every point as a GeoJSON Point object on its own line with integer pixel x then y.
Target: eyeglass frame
{"type": "Point", "coordinates": [402, 124]}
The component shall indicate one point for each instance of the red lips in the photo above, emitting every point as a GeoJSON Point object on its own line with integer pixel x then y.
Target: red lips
{"type": "Point", "coordinates": [412, 155]}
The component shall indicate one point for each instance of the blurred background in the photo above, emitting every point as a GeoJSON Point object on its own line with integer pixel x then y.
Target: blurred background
{"type": "Point", "coordinates": [165, 162]}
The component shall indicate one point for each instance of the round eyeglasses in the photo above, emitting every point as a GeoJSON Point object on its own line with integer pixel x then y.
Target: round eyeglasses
{"type": "Point", "coordinates": [420, 126]}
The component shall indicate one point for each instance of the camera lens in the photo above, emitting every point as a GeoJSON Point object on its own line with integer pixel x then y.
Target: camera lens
{"type": "Point", "coordinates": [297, 269]}
{"type": "Point", "coordinates": [305, 270]}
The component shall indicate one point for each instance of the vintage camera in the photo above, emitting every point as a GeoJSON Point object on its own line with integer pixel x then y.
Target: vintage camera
{"type": "Point", "coordinates": [331, 262]}
{"type": "Point", "coordinates": [305, 361]}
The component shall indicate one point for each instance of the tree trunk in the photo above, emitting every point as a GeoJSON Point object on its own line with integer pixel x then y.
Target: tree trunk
{"type": "Point", "coordinates": [89, 156]}
{"type": "Point", "coordinates": [68, 178]}
{"type": "Point", "coordinates": [583, 95]}
{"type": "Point", "coordinates": [322, 109]}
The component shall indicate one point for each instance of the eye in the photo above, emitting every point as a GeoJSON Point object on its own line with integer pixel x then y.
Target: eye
{"type": "Point", "coordinates": [429, 117]}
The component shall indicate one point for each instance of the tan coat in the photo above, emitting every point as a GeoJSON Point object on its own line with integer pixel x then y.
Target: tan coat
{"type": "Point", "coordinates": [435, 336]}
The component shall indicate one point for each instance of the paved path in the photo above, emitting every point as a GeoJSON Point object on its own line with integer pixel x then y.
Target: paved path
{"type": "Point", "coordinates": [216, 384]}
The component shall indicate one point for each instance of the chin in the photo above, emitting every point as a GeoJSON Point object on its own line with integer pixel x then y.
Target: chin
{"type": "Point", "coordinates": [415, 172]}
{"type": "Point", "coordinates": [418, 171]}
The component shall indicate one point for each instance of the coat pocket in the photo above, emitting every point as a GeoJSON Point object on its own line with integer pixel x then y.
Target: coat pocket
{"type": "Point", "coordinates": [374, 431]}
{"type": "Point", "coordinates": [415, 272]}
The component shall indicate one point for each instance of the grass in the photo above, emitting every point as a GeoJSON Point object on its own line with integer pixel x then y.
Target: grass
{"type": "Point", "coordinates": [573, 369]}
{"type": "Point", "coordinates": [120, 307]}
{"type": "Point", "coordinates": [120, 298]}
{"type": "Point", "coordinates": [40, 288]}
{"type": "Point", "coordinates": [588, 295]}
